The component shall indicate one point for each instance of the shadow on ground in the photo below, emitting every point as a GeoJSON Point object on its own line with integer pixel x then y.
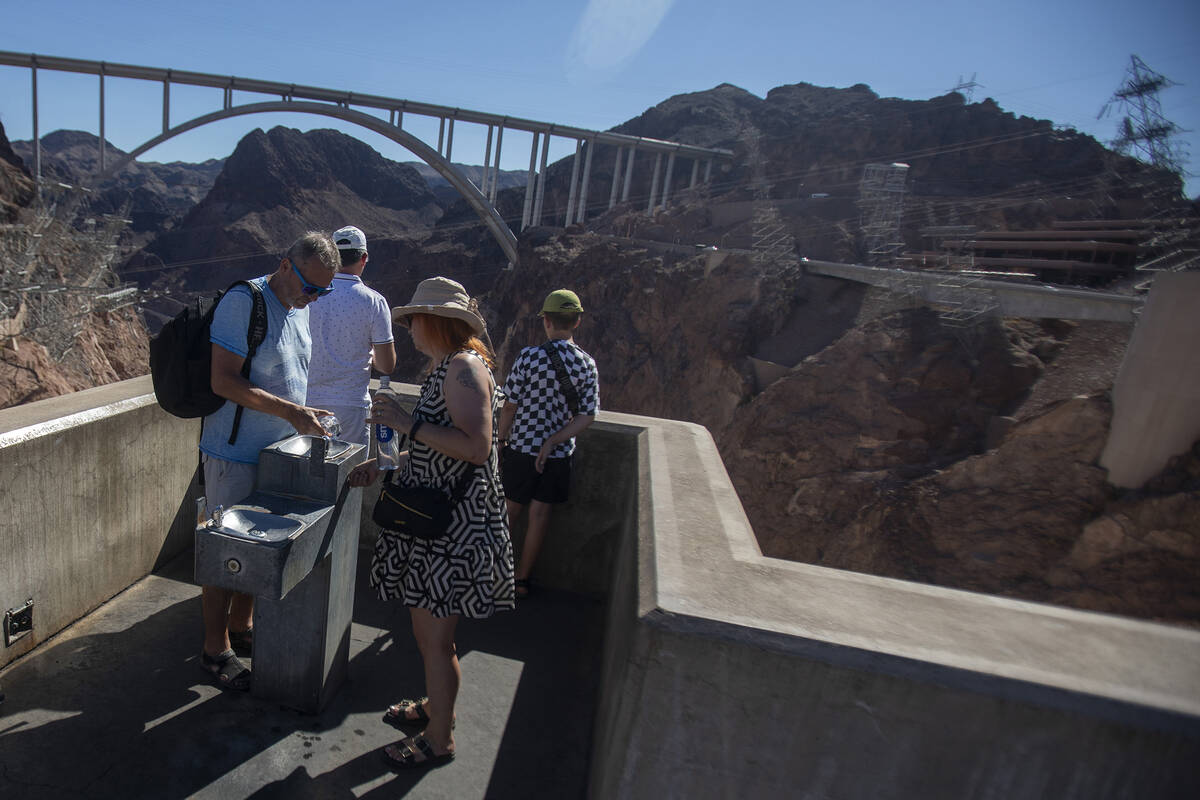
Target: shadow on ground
{"type": "Point", "coordinates": [117, 706]}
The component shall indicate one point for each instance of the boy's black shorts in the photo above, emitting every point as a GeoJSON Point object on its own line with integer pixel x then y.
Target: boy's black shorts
{"type": "Point", "coordinates": [522, 481]}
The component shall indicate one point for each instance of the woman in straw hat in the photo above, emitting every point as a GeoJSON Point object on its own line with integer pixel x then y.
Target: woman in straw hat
{"type": "Point", "coordinates": [469, 571]}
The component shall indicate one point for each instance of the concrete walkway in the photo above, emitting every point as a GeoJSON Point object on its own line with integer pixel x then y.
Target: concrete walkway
{"type": "Point", "coordinates": [117, 707]}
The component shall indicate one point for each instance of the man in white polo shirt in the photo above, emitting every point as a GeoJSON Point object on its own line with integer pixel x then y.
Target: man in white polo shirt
{"type": "Point", "coordinates": [351, 332]}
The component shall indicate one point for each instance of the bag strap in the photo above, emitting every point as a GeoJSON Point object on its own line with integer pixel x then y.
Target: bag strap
{"type": "Point", "coordinates": [256, 332]}
{"type": "Point", "coordinates": [564, 383]}
{"type": "Point", "coordinates": [457, 491]}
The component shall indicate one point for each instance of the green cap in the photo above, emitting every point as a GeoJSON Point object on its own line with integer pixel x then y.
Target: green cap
{"type": "Point", "coordinates": [562, 301]}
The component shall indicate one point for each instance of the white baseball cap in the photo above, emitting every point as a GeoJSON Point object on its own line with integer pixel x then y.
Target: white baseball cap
{"type": "Point", "coordinates": [350, 238]}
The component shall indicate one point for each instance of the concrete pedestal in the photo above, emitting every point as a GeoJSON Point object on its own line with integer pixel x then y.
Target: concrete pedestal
{"type": "Point", "coordinates": [303, 582]}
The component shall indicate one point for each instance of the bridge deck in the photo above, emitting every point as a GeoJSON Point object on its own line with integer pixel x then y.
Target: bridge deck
{"type": "Point", "coordinates": [116, 706]}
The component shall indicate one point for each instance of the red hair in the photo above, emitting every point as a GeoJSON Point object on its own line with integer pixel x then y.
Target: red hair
{"type": "Point", "coordinates": [452, 334]}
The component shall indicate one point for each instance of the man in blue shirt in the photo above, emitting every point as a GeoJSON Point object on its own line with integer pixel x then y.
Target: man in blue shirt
{"type": "Point", "coordinates": [272, 399]}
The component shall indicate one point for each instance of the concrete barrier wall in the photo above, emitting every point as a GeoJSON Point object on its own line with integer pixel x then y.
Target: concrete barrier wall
{"type": "Point", "coordinates": [727, 674]}
{"type": "Point", "coordinates": [1156, 398]}
{"type": "Point", "coordinates": [95, 490]}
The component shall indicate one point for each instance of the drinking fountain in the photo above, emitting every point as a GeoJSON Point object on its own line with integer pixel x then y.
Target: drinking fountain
{"type": "Point", "coordinates": [294, 546]}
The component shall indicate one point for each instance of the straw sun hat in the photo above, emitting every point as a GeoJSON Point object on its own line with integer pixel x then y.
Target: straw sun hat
{"type": "Point", "coordinates": [442, 297]}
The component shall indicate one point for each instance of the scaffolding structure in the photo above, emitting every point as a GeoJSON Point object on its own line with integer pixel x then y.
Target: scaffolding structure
{"type": "Point", "coordinates": [59, 268]}
{"type": "Point", "coordinates": [771, 241]}
{"type": "Point", "coordinates": [881, 208]}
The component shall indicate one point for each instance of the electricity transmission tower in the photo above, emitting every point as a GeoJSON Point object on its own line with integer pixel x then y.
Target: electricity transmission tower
{"type": "Point", "coordinates": [967, 88]}
{"type": "Point", "coordinates": [1144, 131]}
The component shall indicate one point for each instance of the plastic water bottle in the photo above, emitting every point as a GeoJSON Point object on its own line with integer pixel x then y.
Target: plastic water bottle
{"type": "Point", "coordinates": [388, 456]}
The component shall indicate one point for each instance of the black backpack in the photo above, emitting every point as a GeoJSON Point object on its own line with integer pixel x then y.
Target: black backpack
{"type": "Point", "coordinates": [181, 357]}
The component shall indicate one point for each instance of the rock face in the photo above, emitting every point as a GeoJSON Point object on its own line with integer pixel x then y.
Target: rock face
{"type": "Point", "coordinates": [112, 347]}
{"type": "Point", "coordinates": [16, 187]}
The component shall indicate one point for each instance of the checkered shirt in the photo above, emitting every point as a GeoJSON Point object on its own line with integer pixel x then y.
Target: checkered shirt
{"type": "Point", "coordinates": [532, 386]}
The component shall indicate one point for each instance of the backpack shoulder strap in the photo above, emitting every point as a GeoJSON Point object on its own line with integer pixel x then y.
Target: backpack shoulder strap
{"type": "Point", "coordinates": [256, 332]}
{"type": "Point", "coordinates": [564, 382]}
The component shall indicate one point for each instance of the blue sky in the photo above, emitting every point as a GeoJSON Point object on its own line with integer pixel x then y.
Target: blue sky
{"type": "Point", "coordinates": [590, 64]}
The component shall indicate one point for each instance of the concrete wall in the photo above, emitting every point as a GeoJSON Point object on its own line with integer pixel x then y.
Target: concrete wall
{"type": "Point", "coordinates": [95, 490]}
{"type": "Point", "coordinates": [1156, 398]}
{"type": "Point", "coordinates": [727, 674]}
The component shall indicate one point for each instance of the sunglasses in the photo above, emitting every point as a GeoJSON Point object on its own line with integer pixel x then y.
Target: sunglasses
{"type": "Point", "coordinates": [310, 289]}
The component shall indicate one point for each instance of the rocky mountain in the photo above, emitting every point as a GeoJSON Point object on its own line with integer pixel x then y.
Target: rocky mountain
{"type": "Point", "coordinates": [274, 186]}
{"type": "Point", "coordinates": [969, 164]}
{"type": "Point", "coordinates": [151, 195]}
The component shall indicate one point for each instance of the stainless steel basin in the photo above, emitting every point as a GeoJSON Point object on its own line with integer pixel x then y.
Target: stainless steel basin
{"type": "Point", "coordinates": [301, 445]}
{"type": "Point", "coordinates": [258, 524]}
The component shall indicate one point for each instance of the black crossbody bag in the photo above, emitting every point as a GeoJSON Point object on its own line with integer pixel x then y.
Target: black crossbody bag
{"type": "Point", "coordinates": [421, 511]}
{"type": "Point", "coordinates": [564, 382]}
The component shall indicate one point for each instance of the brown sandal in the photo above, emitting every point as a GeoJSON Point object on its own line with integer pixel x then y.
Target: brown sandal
{"type": "Point", "coordinates": [408, 750]}
{"type": "Point", "coordinates": [397, 714]}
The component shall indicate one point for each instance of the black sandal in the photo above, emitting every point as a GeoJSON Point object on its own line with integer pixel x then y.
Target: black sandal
{"type": "Point", "coordinates": [400, 718]}
{"type": "Point", "coordinates": [522, 588]}
{"type": "Point", "coordinates": [409, 749]}
{"type": "Point", "coordinates": [226, 670]}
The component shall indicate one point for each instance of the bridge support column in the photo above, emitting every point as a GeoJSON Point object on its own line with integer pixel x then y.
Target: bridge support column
{"type": "Point", "coordinates": [487, 163]}
{"type": "Point", "coordinates": [37, 141]}
{"type": "Point", "coordinates": [574, 178]}
{"type": "Point", "coordinates": [629, 157]}
{"type": "Point", "coordinates": [530, 186]}
{"type": "Point", "coordinates": [587, 176]}
{"type": "Point", "coordinates": [540, 199]}
{"type": "Point", "coordinates": [695, 173]}
{"type": "Point", "coordinates": [167, 103]}
{"type": "Point", "coordinates": [101, 143]}
{"type": "Point", "coordinates": [667, 179]}
{"type": "Point", "coordinates": [654, 183]}
{"type": "Point", "coordinates": [616, 179]}
{"type": "Point", "coordinates": [491, 196]}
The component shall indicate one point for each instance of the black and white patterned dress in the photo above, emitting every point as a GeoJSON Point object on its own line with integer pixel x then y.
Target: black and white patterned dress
{"type": "Point", "coordinates": [469, 571]}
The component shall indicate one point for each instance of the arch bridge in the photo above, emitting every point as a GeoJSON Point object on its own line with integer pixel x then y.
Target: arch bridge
{"type": "Point", "coordinates": [354, 108]}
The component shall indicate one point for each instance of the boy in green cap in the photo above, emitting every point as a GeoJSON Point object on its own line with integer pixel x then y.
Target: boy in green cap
{"type": "Point", "coordinates": [552, 393]}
